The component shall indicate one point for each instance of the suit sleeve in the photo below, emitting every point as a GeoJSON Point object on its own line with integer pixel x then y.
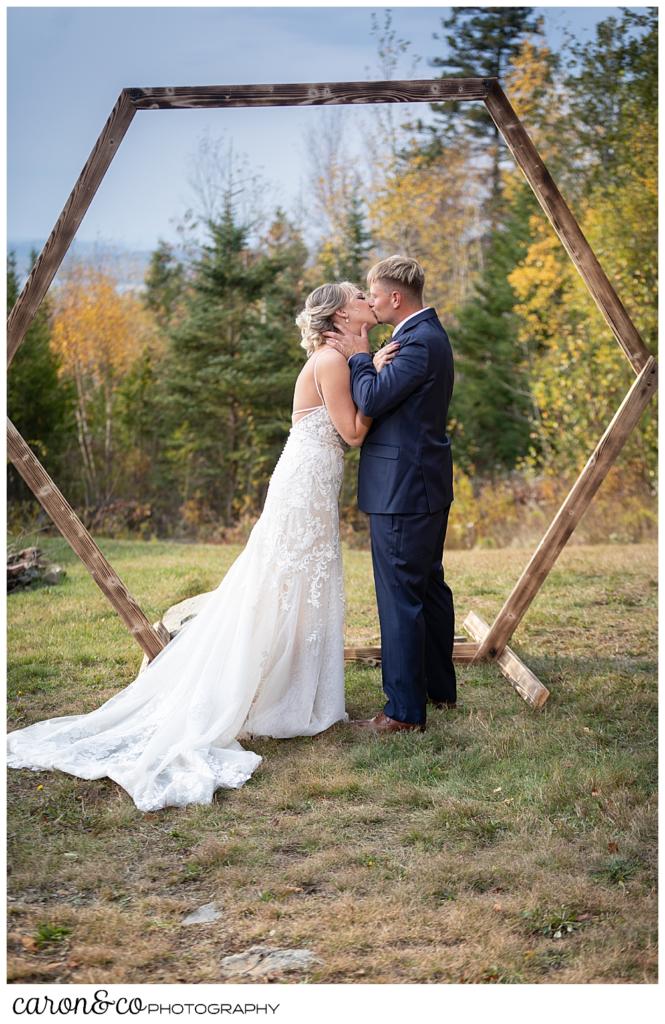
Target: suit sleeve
{"type": "Point", "coordinates": [376, 393]}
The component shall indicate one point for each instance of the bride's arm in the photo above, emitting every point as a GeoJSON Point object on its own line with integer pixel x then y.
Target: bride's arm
{"type": "Point", "coordinates": [335, 381]}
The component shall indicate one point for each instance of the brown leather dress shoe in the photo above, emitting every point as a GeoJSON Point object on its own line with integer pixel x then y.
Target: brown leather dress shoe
{"type": "Point", "coordinates": [444, 705]}
{"type": "Point", "coordinates": [382, 724]}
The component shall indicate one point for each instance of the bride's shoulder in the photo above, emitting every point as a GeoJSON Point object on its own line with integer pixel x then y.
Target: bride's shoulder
{"type": "Point", "coordinates": [328, 356]}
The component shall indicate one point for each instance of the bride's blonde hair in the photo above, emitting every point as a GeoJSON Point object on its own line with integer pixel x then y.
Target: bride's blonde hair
{"type": "Point", "coordinates": [320, 306]}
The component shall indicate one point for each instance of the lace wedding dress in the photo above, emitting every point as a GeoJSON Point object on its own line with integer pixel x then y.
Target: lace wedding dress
{"type": "Point", "coordinates": [265, 656]}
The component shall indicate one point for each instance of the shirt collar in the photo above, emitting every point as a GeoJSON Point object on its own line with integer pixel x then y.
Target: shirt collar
{"type": "Point", "coordinates": [409, 317]}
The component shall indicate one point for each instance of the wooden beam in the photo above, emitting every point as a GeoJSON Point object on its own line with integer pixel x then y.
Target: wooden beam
{"type": "Point", "coordinates": [76, 535]}
{"type": "Point", "coordinates": [463, 653]}
{"type": "Point", "coordinates": [60, 239]}
{"type": "Point", "coordinates": [302, 94]}
{"type": "Point", "coordinates": [521, 678]}
{"type": "Point", "coordinates": [566, 226]}
{"type": "Point", "coordinates": [570, 513]}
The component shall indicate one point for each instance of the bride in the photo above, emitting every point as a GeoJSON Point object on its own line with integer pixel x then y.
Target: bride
{"type": "Point", "coordinates": [265, 656]}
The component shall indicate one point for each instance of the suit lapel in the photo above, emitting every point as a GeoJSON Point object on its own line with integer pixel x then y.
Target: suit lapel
{"type": "Point", "coordinates": [426, 314]}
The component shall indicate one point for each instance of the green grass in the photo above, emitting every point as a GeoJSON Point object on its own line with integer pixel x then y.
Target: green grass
{"type": "Point", "coordinates": [50, 934]}
{"type": "Point", "coordinates": [502, 846]}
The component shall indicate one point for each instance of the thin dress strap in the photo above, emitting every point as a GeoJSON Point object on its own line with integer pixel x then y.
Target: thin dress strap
{"type": "Point", "coordinates": [312, 408]}
{"type": "Point", "coordinates": [316, 383]}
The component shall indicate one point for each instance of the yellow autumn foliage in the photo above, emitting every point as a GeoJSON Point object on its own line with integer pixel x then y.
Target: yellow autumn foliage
{"type": "Point", "coordinates": [532, 93]}
{"type": "Point", "coordinates": [429, 209]}
{"type": "Point", "coordinates": [98, 335]}
{"type": "Point", "coordinates": [97, 332]}
{"type": "Point", "coordinates": [579, 373]}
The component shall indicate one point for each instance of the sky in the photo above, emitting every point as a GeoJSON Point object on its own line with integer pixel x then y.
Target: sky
{"type": "Point", "coordinates": [67, 65]}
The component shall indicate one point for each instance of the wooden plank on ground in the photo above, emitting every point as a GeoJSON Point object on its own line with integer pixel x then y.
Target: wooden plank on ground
{"type": "Point", "coordinates": [303, 94]}
{"type": "Point", "coordinates": [515, 671]}
{"type": "Point", "coordinates": [566, 226]}
{"type": "Point", "coordinates": [463, 653]}
{"type": "Point", "coordinates": [76, 535]}
{"type": "Point", "coordinates": [60, 239]}
{"type": "Point", "coordinates": [570, 513]}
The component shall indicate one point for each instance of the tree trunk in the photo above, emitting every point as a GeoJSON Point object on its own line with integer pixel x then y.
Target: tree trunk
{"type": "Point", "coordinates": [85, 441]}
{"type": "Point", "coordinates": [108, 449]}
{"type": "Point", "coordinates": [233, 465]}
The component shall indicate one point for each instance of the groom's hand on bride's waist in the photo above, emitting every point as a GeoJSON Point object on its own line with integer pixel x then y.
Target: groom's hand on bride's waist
{"type": "Point", "coordinates": [346, 342]}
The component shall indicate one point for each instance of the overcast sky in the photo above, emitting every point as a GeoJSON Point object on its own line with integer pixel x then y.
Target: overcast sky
{"type": "Point", "coordinates": [66, 67]}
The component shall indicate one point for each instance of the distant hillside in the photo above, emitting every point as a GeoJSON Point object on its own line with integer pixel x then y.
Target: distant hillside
{"type": "Point", "coordinates": [129, 266]}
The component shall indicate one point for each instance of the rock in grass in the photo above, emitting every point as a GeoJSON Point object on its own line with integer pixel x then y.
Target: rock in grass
{"type": "Point", "coordinates": [261, 961]}
{"type": "Point", "coordinates": [208, 912]}
{"type": "Point", "coordinates": [175, 617]}
{"type": "Point", "coordinates": [54, 575]}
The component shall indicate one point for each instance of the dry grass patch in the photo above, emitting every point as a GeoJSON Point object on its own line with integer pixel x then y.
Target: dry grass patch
{"type": "Point", "coordinates": [452, 856]}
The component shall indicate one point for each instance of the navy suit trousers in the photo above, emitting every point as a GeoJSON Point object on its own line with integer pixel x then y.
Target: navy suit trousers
{"type": "Point", "coordinates": [415, 612]}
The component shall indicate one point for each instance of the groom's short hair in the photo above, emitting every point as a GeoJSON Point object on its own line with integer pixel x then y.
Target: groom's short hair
{"type": "Point", "coordinates": [403, 272]}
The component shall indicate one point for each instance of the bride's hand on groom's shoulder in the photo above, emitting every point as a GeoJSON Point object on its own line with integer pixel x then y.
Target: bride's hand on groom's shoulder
{"type": "Point", "coordinates": [346, 342]}
{"type": "Point", "coordinates": [385, 355]}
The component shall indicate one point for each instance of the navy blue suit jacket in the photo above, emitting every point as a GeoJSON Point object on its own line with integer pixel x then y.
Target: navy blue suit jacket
{"type": "Point", "coordinates": [406, 460]}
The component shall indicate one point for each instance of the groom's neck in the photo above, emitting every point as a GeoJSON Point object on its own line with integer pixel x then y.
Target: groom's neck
{"type": "Point", "coordinates": [404, 311]}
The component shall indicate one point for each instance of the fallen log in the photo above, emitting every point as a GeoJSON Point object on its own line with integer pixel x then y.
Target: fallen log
{"type": "Point", "coordinates": [29, 566]}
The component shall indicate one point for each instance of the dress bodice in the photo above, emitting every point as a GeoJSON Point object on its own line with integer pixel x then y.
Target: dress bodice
{"type": "Point", "coordinates": [317, 427]}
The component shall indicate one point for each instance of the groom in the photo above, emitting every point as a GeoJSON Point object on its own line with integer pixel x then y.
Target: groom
{"type": "Point", "coordinates": [405, 484]}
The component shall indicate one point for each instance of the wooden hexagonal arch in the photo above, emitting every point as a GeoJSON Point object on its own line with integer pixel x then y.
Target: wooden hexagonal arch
{"type": "Point", "coordinates": [490, 642]}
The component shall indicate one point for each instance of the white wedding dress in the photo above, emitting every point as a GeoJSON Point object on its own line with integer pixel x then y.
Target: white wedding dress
{"type": "Point", "coordinates": [265, 656]}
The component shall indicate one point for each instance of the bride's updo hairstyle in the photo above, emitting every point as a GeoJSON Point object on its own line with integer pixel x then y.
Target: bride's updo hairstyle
{"type": "Point", "coordinates": [320, 307]}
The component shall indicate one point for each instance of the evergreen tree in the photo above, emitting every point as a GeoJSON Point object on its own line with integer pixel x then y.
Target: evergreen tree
{"type": "Point", "coordinates": [284, 244]}
{"type": "Point", "coordinates": [612, 88]}
{"type": "Point", "coordinates": [230, 373]}
{"type": "Point", "coordinates": [280, 356]}
{"type": "Point", "coordinates": [491, 407]}
{"type": "Point", "coordinates": [481, 41]}
{"type": "Point", "coordinates": [141, 426]}
{"type": "Point", "coordinates": [356, 242]}
{"type": "Point", "coordinates": [165, 284]}
{"type": "Point", "coordinates": [39, 403]}
{"type": "Point", "coordinates": [343, 254]}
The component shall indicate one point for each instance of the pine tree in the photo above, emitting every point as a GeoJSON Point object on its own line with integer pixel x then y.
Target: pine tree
{"type": "Point", "coordinates": [165, 284]}
{"type": "Point", "coordinates": [612, 87]}
{"type": "Point", "coordinates": [343, 254]}
{"type": "Point", "coordinates": [356, 242]}
{"type": "Point", "coordinates": [481, 42]}
{"type": "Point", "coordinates": [140, 434]}
{"type": "Point", "coordinates": [38, 402]}
{"type": "Point", "coordinates": [491, 407]}
{"type": "Point", "coordinates": [233, 359]}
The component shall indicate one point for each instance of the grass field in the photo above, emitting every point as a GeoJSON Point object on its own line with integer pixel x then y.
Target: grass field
{"type": "Point", "coordinates": [502, 846]}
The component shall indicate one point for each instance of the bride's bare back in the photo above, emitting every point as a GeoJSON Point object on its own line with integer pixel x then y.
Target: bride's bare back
{"type": "Point", "coordinates": [325, 380]}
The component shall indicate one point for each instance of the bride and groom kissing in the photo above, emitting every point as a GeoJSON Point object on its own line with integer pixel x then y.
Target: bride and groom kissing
{"type": "Point", "coordinates": [265, 655]}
